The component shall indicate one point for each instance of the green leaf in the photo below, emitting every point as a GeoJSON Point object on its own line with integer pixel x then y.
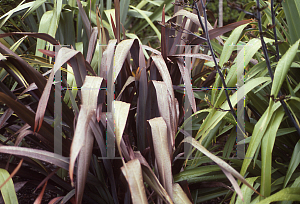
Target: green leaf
{"type": "Point", "coordinates": [267, 145]}
{"type": "Point", "coordinates": [33, 7]}
{"type": "Point", "coordinates": [212, 121]}
{"type": "Point", "coordinates": [148, 21]}
{"type": "Point", "coordinates": [230, 44]}
{"type": "Point", "coordinates": [8, 190]}
{"type": "Point", "coordinates": [292, 13]}
{"type": "Point", "coordinates": [43, 28]}
{"type": "Point", "coordinates": [246, 191]}
{"type": "Point", "coordinates": [191, 174]}
{"type": "Point", "coordinates": [20, 7]}
{"type": "Point", "coordinates": [282, 68]}
{"type": "Point", "coordinates": [226, 168]}
{"type": "Point", "coordinates": [294, 162]}
{"type": "Point", "coordinates": [289, 194]}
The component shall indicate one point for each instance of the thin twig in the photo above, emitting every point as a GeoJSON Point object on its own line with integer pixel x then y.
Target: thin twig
{"type": "Point", "coordinates": [274, 30]}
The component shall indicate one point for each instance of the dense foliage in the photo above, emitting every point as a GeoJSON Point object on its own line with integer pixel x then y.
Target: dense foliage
{"type": "Point", "coordinates": [188, 109]}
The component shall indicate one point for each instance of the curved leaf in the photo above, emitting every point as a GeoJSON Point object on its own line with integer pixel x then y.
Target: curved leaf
{"type": "Point", "coordinates": [82, 144]}
{"type": "Point", "coordinates": [283, 67]}
{"type": "Point", "coordinates": [294, 162]}
{"type": "Point", "coordinates": [121, 52]}
{"type": "Point", "coordinates": [120, 114]}
{"type": "Point", "coordinates": [162, 156]}
{"type": "Point", "coordinates": [148, 21]}
{"type": "Point", "coordinates": [43, 155]}
{"type": "Point", "coordinates": [135, 181]}
{"type": "Point", "coordinates": [289, 194]}
{"type": "Point", "coordinates": [8, 190]}
{"type": "Point", "coordinates": [64, 55]}
{"type": "Point", "coordinates": [179, 195]}
{"type": "Point", "coordinates": [223, 165]}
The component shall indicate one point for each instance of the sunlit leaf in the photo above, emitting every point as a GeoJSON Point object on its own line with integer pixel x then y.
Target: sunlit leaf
{"type": "Point", "coordinates": [283, 67]}
{"type": "Point", "coordinates": [120, 114]}
{"type": "Point", "coordinates": [8, 190]}
{"type": "Point", "coordinates": [133, 175]}
{"type": "Point", "coordinates": [223, 165]}
{"type": "Point", "coordinates": [179, 195]}
{"type": "Point", "coordinates": [162, 155]}
{"type": "Point", "coordinates": [43, 155]}
{"type": "Point", "coordinates": [289, 194]}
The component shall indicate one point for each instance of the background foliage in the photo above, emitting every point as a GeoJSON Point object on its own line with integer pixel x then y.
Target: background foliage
{"type": "Point", "coordinates": [166, 98]}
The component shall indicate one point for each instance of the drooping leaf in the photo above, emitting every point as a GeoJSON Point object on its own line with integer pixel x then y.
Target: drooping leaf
{"type": "Point", "coordinates": [164, 101]}
{"type": "Point", "coordinates": [43, 155]}
{"type": "Point", "coordinates": [151, 179]}
{"type": "Point", "coordinates": [179, 195]}
{"type": "Point", "coordinates": [164, 72]}
{"type": "Point", "coordinates": [64, 54]}
{"type": "Point", "coordinates": [133, 175]}
{"type": "Point", "coordinates": [162, 155]}
{"type": "Point", "coordinates": [120, 114]}
{"type": "Point", "coordinates": [83, 139]}
{"type": "Point", "coordinates": [107, 59]}
{"type": "Point", "coordinates": [28, 116]}
{"type": "Point", "coordinates": [148, 21]}
{"type": "Point", "coordinates": [122, 51]}
{"type": "Point", "coordinates": [223, 165]}
{"type": "Point", "coordinates": [42, 36]}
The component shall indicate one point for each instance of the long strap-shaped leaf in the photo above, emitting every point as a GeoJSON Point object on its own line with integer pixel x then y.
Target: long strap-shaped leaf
{"type": "Point", "coordinates": [179, 195]}
{"type": "Point", "coordinates": [134, 177]}
{"type": "Point", "coordinates": [64, 54]}
{"type": "Point", "coordinates": [223, 165]}
{"type": "Point", "coordinates": [46, 156]}
{"type": "Point", "coordinates": [82, 144]}
{"type": "Point", "coordinates": [8, 191]}
{"type": "Point", "coordinates": [160, 143]}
